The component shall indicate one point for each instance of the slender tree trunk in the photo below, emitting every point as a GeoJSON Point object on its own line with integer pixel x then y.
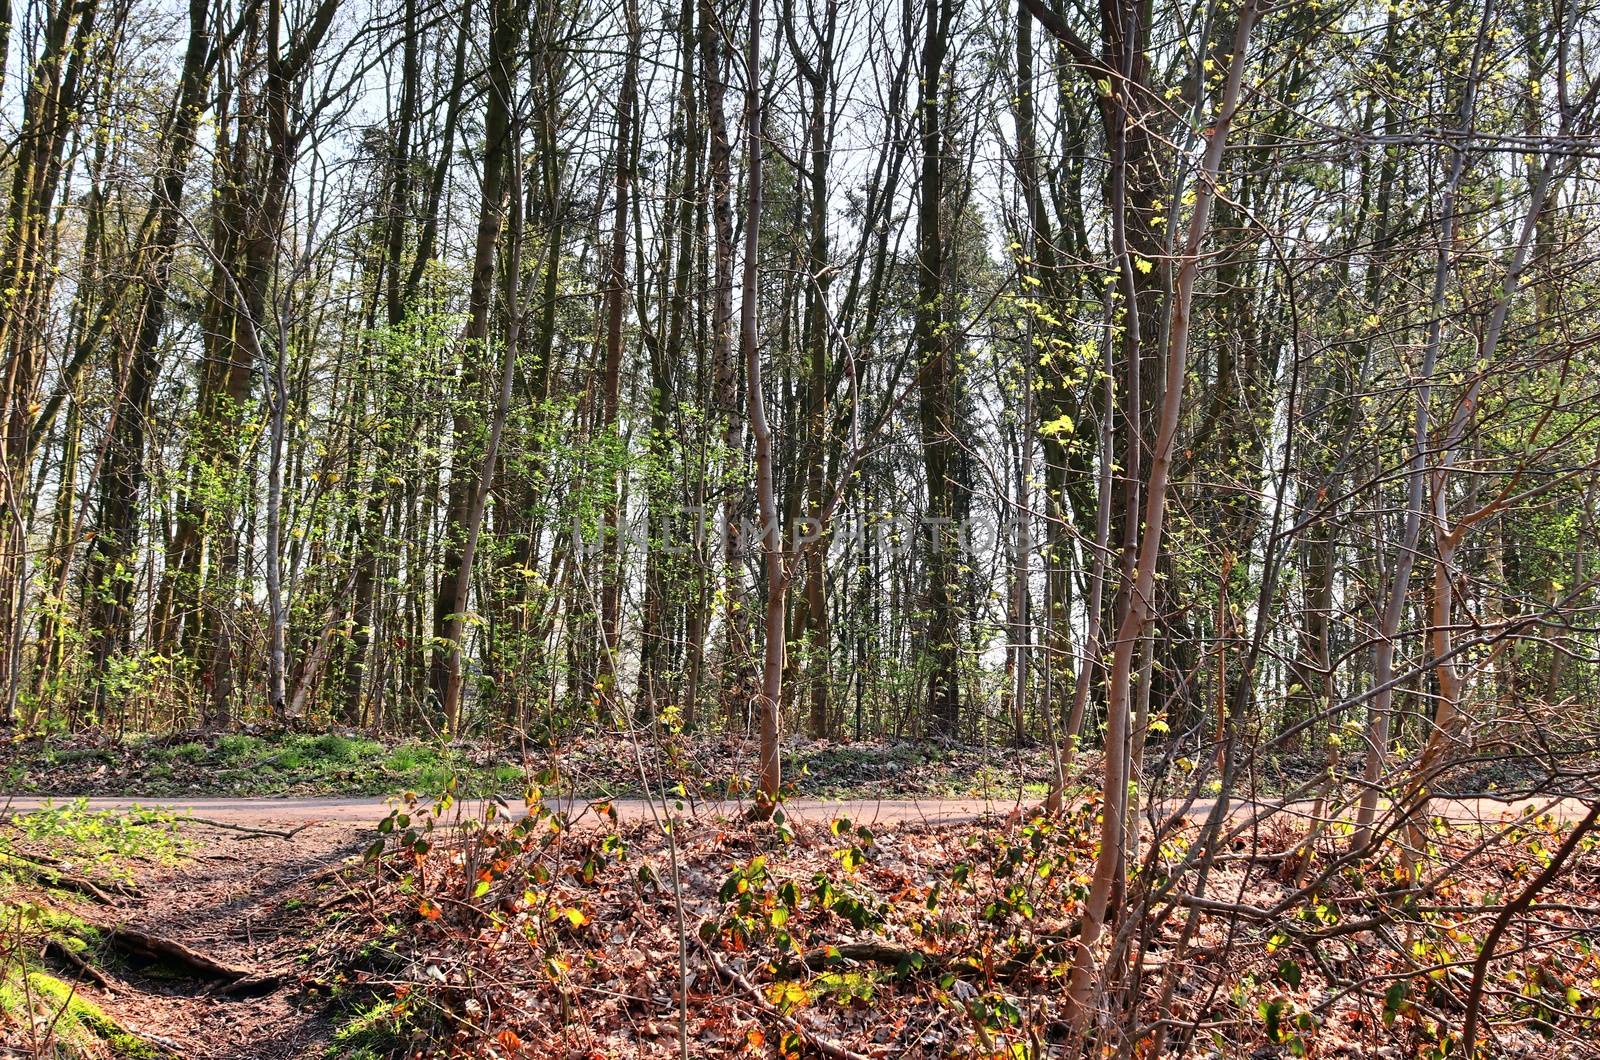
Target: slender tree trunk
{"type": "Point", "coordinates": [1399, 587]}
{"type": "Point", "coordinates": [611, 375]}
{"type": "Point", "coordinates": [737, 680]}
{"type": "Point", "coordinates": [449, 622]}
{"type": "Point", "coordinates": [497, 416]}
{"type": "Point", "coordinates": [936, 385]}
{"type": "Point", "coordinates": [108, 571]}
{"type": "Point", "coordinates": [771, 696]}
{"type": "Point", "coordinates": [1140, 594]}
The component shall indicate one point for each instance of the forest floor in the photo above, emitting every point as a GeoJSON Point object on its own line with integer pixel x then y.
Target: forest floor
{"type": "Point", "coordinates": [349, 763]}
{"type": "Point", "coordinates": [907, 904]}
{"type": "Point", "coordinates": [522, 936]}
{"type": "Point", "coordinates": [895, 927]}
{"type": "Point", "coordinates": [134, 934]}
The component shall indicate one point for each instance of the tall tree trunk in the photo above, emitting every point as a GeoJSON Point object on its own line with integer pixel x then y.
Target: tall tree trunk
{"type": "Point", "coordinates": [662, 570]}
{"type": "Point", "coordinates": [611, 375]}
{"type": "Point", "coordinates": [771, 696]}
{"type": "Point", "coordinates": [109, 570]}
{"type": "Point", "coordinates": [814, 635]}
{"type": "Point", "coordinates": [936, 385]}
{"type": "Point", "coordinates": [399, 281]}
{"type": "Point", "coordinates": [449, 622]}
{"type": "Point", "coordinates": [49, 105]}
{"type": "Point", "coordinates": [497, 415]}
{"type": "Point", "coordinates": [737, 679]}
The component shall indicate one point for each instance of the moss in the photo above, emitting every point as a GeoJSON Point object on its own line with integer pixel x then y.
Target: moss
{"type": "Point", "coordinates": [79, 1026]}
{"type": "Point", "coordinates": [72, 933]}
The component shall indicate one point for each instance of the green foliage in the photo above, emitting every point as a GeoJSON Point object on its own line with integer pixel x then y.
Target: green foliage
{"type": "Point", "coordinates": [371, 1032]}
{"type": "Point", "coordinates": [104, 837]}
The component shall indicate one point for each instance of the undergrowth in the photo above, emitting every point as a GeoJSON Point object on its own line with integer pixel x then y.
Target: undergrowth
{"type": "Point", "coordinates": [591, 765]}
{"type": "Point", "coordinates": [103, 838]}
{"type": "Point", "coordinates": [251, 764]}
{"type": "Point", "coordinates": [547, 936]}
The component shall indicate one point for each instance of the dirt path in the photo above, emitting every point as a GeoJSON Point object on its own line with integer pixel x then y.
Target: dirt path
{"type": "Point", "coordinates": [288, 813]}
{"type": "Point", "coordinates": [291, 812]}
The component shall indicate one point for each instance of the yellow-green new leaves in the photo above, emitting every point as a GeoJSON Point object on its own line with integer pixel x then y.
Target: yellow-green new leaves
{"type": "Point", "coordinates": [1060, 425]}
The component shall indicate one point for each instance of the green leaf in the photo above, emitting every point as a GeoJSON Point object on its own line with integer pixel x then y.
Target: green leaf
{"type": "Point", "coordinates": [1394, 1002]}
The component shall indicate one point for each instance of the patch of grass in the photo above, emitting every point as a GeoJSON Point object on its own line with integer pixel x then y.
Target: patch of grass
{"type": "Point", "coordinates": [191, 752]}
{"type": "Point", "coordinates": [285, 761]}
{"type": "Point", "coordinates": [409, 757]}
{"type": "Point", "coordinates": [508, 777]}
{"type": "Point", "coordinates": [371, 1033]}
{"type": "Point", "coordinates": [339, 748]}
{"type": "Point", "coordinates": [423, 767]}
{"type": "Point", "coordinates": [238, 747]}
{"type": "Point", "coordinates": [86, 754]}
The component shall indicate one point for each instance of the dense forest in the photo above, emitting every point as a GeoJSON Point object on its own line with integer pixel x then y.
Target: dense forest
{"type": "Point", "coordinates": [1190, 392]}
{"type": "Point", "coordinates": [1162, 376]}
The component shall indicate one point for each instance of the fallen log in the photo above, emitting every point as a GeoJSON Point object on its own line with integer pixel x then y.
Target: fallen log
{"type": "Point", "coordinates": [274, 833]}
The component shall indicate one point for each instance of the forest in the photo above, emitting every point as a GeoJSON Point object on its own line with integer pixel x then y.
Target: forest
{"type": "Point", "coordinates": [982, 528]}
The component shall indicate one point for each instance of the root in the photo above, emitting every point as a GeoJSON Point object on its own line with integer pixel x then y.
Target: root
{"type": "Point", "coordinates": [62, 952]}
{"type": "Point", "coordinates": [191, 962]}
{"type": "Point", "coordinates": [273, 833]}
